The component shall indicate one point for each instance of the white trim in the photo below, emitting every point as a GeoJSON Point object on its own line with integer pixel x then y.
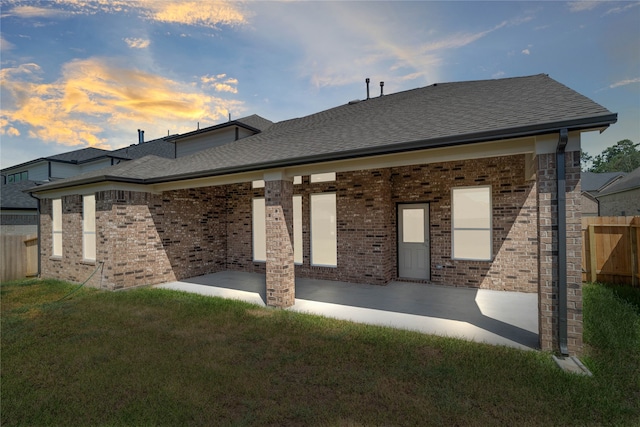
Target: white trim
{"type": "Point", "coordinates": [89, 235]}
{"type": "Point", "coordinates": [261, 242]}
{"type": "Point", "coordinates": [335, 228]}
{"type": "Point", "coordinates": [454, 228]}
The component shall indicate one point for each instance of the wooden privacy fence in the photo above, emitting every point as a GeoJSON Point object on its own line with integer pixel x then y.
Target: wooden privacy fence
{"type": "Point", "coordinates": [18, 257]}
{"type": "Point", "coordinates": [611, 249]}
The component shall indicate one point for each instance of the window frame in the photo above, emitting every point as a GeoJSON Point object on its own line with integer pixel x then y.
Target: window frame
{"type": "Point", "coordinates": [456, 231]}
{"type": "Point", "coordinates": [56, 228]}
{"type": "Point", "coordinates": [314, 231]}
{"type": "Point", "coordinates": [262, 242]}
{"type": "Point", "coordinates": [89, 228]}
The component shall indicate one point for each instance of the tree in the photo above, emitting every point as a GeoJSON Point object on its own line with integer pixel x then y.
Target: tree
{"type": "Point", "coordinates": [624, 156]}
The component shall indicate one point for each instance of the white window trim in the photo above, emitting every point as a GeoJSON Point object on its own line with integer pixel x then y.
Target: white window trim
{"type": "Point", "coordinates": [258, 220]}
{"type": "Point", "coordinates": [56, 227]}
{"type": "Point", "coordinates": [89, 228]}
{"type": "Point", "coordinates": [298, 244]}
{"type": "Point", "coordinates": [322, 177]}
{"type": "Point", "coordinates": [335, 225]}
{"type": "Point", "coordinates": [454, 228]}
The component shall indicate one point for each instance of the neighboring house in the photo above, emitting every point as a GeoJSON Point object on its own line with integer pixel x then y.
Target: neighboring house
{"type": "Point", "coordinates": [455, 184]}
{"type": "Point", "coordinates": [591, 185]}
{"type": "Point", "coordinates": [622, 198]}
{"type": "Point", "coordinates": [75, 162]}
{"type": "Point", "coordinates": [18, 210]}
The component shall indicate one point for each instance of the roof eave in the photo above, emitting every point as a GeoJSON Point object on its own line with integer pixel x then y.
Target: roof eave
{"type": "Point", "coordinates": [472, 138]}
{"type": "Point", "coordinates": [509, 133]}
{"type": "Point", "coordinates": [86, 181]}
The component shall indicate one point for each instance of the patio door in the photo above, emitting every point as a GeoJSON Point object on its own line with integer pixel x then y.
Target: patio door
{"type": "Point", "coordinates": [413, 241]}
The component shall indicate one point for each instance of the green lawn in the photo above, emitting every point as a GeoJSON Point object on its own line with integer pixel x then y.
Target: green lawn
{"type": "Point", "coordinates": [157, 357]}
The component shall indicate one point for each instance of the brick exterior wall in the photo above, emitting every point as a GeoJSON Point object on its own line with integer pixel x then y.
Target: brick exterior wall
{"type": "Point", "coordinates": [514, 267]}
{"type": "Point", "coordinates": [148, 238]}
{"type": "Point", "coordinates": [141, 238]}
{"type": "Point", "coordinates": [280, 275]}
{"type": "Point", "coordinates": [548, 250]}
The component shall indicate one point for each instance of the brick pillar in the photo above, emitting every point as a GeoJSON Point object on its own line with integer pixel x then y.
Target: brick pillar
{"type": "Point", "coordinates": [279, 235]}
{"type": "Point", "coordinates": [548, 250]}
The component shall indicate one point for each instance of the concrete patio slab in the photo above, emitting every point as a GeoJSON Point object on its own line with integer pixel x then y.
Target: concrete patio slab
{"type": "Point", "coordinates": [494, 317]}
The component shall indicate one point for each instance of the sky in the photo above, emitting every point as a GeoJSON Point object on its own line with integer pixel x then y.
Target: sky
{"type": "Point", "coordinates": [78, 73]}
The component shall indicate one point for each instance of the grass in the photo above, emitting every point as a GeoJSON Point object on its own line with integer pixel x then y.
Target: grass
{"type": "Point", "coordinates": [158, 357]}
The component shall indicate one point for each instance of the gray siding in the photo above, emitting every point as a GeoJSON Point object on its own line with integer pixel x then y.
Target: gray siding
{"type": "Point", "coordinates": [199, 143]}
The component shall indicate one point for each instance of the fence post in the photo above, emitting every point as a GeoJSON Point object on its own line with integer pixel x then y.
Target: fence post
{"type": "Point", "coordinates": [633, 235]}
{"type": "Point", "coordinates": [593, 264]}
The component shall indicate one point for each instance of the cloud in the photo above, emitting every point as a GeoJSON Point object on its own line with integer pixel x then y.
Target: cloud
{"type": "Point", "coordinates": [95, 94]}
{"type": "Point", "coordinates": [29, 12]}
{"type": "Point", "coordinates": [526, 52]}
{"type": "Point", "coordinates": [5, 44]}
{"type": "Point", "coordinates": [581, 6]}
{"type": "Point", "coordinates": [197, 13]}
{"type": "Point", "coordinates": [202, 13]}
{"type": "Point", "coordinates": [624, 82]}
{"type": "Point", "coordinates": [619, 9]}
{"type": "Point", "coordinates": [137, 43]}
{"type": "Point", "coordinates": [220, 83]}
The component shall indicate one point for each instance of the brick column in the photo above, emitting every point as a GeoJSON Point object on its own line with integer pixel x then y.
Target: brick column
{"type": "Point", "coordinates": [548, 253]}
{"type": "Point", "coordinates": [279, 235]}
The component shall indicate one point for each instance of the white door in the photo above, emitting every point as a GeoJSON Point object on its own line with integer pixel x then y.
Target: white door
{"type": "Point", "coordinates": [413, 241]}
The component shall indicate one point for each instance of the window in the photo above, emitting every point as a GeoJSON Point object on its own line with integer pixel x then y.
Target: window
{"type": "Point", "coordinates": [471, 223]}
{"type": "Point", "coordinates": [56, 219]}
{"type": "Point", "coordinates": [89, 227]}
{"type": "Point", "coordinates": [323, 177]}
{"type": "Point", "coordinates": [324, 243]}
{"type": "Point", "coordinates": [259, 230]}
{"type": "Point", "coordinates": [297, 229]}
{"type": "Point", "coordinates": [17, 177]}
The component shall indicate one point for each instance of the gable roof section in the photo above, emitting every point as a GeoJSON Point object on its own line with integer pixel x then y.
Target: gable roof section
{"type": "Point", "coordinates": [80, 156]}
{"type": "Point", "coordinates": [161, 147]}
{"type": "Point", "coordinates": [629, 182]}
{"type": "Point", "coordinates": [253, 123]}
{"type": "Point", "coordinates": [434, 116]}
{"type": "Point", "coordinates": [594, 182]}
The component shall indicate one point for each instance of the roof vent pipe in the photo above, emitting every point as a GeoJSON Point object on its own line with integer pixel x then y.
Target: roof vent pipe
{"type": "Point", "coordinates": [367, 82]}
{"type": "Point", "coordinates": [140, 136]}
{"type": "Point", "coordinates": [381, 86]}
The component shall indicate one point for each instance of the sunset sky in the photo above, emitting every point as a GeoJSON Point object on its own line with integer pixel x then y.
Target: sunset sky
{"type": "Point", "coordinates": [81, 73]}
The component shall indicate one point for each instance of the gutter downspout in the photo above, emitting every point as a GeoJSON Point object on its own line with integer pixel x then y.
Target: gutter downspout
{"type": "Point", "coordinates": [562, 241]}
{"type": "Point", "coordinates": [38, 231]}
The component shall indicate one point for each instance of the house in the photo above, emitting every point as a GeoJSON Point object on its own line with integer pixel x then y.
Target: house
{"type": "Point", "coordinates": [622, 198]}
{"type": "Point", "coordinates": [19, 209]}
{"type": "Point", "coordinates": [593, 183]}
{"type": "Point", "coordinates": [473, 184]}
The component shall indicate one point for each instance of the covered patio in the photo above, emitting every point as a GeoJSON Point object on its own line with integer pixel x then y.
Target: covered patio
{"type": "Point", "coordinates": [494, 317]}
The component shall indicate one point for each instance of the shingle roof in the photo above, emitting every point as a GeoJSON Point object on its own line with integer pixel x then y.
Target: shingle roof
{"type": "Point", "coordinates": [81, 155]}
{"type": "Point", "coordinates": [592, 182]}
{"type": "Point", "coordinates": [626, 183]}
{"type": "Point", "coordinates": [257, 122]}
{"type": "Point", "coordinates": [12, 196]}
{"type": "Point", "coordinates": [157, 147]}
{"type": "Point", "coordinates": [432, 116]}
